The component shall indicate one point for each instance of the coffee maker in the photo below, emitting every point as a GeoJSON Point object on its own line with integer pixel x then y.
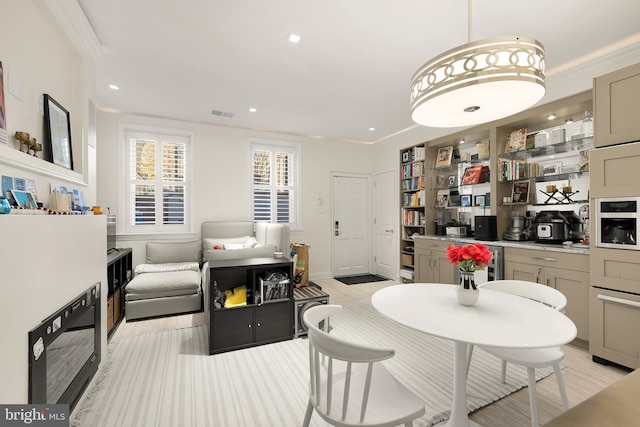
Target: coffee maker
{"type": "Point", "coordinates": [517, 227]}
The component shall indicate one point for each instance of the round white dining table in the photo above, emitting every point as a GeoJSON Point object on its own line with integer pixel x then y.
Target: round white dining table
{"type": "Point", "coordinates": [498, 319]}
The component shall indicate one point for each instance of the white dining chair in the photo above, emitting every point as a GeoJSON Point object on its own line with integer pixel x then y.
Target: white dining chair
{"type": "Point", "coordinates": [349, 386]}
{"type": "Point", "coordinates": [535, 358]}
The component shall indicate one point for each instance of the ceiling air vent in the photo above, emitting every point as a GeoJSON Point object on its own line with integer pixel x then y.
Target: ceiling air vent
{"type": "Point", "coordinates": [222, 114]}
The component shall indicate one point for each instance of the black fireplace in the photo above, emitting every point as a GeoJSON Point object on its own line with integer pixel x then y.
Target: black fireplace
{"type": "Point", "coordinates": [64, 351]}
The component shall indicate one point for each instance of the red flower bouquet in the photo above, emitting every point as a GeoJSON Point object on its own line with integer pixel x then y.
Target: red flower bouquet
{"type": "Point", "coordinates": [469, 257]}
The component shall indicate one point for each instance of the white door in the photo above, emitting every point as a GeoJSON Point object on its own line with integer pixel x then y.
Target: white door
{"type": "Point", "coordinates": [385, 255]}
{"type": "Point", "coordinates": [350, 225]}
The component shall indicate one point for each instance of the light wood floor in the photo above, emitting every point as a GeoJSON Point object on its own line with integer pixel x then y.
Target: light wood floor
{"type": "Point", "coordinates": [582, 377]}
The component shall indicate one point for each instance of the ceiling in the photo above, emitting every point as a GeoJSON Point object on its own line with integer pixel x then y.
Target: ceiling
{"type": "Point", "coordinates": [182, 59]}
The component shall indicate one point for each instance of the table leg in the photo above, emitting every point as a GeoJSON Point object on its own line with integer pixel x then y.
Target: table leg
{"type": "Point", "coordinates": [459, 416]}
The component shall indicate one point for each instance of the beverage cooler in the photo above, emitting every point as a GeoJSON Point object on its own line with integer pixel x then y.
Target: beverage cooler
{"type": "Point", "coordinates": [495, 269]}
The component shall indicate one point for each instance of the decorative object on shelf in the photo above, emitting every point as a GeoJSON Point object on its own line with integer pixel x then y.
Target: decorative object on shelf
{"type": "Point", "coordinates": [452, 180]}
{"type": "Point", "coordinates": [24, 199]}
{"type": "Point", "coordinates": [465, 200]}
{"type": "Point", "coordinates": [25, 140]}
{"type": "Point", "coordinates": [586, 127]}
{"type": "Point", "coordinates": [520, 192]}
{"type": "Point", "coordinates": [583, 161]}
{"type": "Point", "coordinates": [560, 196]}
{"type": "Point", "coordinates": [442, 199]}
{"type": "Point", "coordinates": [58, 132]}
{"type": "Point", "coordinates": [558, 136]}
{"type": "Point", "coordinates": [35, 147]}
{"type": "Point", "coordinates": [517, 141]}
{"type": "Point", "coordinates": [479, 201]}
{"type": "Point", "coordinates": [444, 156]}
{"type": "Point", "coordinates": [440, 181]}
{"type": "Point", "coordinates": [5, 207]}
{"type": "Point", "coordinates": [478, 82]}
{"type": "Point", "coordinates": [456, 228]}
{"type": "Point", "coordinates": [468, 258]}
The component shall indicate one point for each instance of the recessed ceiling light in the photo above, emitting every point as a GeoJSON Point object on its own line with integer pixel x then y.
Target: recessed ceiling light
{"type": "Point", "coordinates": [551, 116]}
{"type": "Point", "coordinates": [461, 141]}
{"type": "Point", "coordinates": [372, 129]}
{"type": "Point", "coordinates": [293, 38]}
{"type": "Point", "coordinates": [114, 87]}
{"type": "Point", "coordinates": [253, 110]}
{"type": "Point", "coordinates": [568, 121]}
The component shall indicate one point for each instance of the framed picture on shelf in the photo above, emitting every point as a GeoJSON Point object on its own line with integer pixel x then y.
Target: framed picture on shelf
{"type": "Point", "coordinates": [440, 182]}
{"type": "Point", "coordinates": [475, 175]}
{"type": "Point", "coordinates": [487, 199]}
{"type": "Point", "coordinates": [452, 180]}
{"type": "Point", "coordinates": [405, 157]}
{"type": "Point", "coordinates": [465, 200]}
{"type": "Point", "coordinates": [454, 200]}
{"type": "Point", "coordinates": [483, 150]}
{"type": "Point", "coordinates": [520, 192]}
{"type": "Point", "coordinates": [442, 199]}
{"type": "Point", "coordinates": [444, 156]}
{"type": "Point", "coordinates": [479, 201]}
{"type": "Point", "coordinates": [58, 132]}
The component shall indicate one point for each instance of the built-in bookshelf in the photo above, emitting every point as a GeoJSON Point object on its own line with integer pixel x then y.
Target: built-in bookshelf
{"type": "Point", "coordinates": [413, 202]}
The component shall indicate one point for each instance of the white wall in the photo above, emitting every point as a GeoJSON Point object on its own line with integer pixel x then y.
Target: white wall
{"type": "Point", "coordinates": [47, 260]}
{"type": "Point", "coordinates": [223, 179]}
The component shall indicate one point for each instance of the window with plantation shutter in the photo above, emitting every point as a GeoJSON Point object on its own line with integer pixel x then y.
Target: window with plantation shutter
{"type": "Point", "coordinates": [157, 187]}
{"type": "Point", "coordinates": [275, 183]}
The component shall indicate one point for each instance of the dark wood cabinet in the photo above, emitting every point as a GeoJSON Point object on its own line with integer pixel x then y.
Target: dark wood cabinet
{"type": "Point", "coordinates": [119, 273]}
{"type": "Point", "coordinates": [268, 314]}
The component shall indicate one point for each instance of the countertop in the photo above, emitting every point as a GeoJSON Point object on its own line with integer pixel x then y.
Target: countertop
{"type": "Point", "coordinates": [526, 244]}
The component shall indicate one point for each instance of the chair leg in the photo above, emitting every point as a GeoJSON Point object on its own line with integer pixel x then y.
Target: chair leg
{"type": "Point", "coordinates": [307, 415]}
{"type": "Point", "coordinates": [560, 381]}
{"type": "Point", "coordinates": [533, 401]}
{"type": "Point", "coordinates": [503, 371]}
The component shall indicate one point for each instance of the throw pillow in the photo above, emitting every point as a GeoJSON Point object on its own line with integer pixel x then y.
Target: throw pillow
{"type": "Point", "coordinates": [236, 297]}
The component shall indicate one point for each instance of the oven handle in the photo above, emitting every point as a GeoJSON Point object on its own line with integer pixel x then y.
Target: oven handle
{"type": "Point", "coordinates": [619, 300]}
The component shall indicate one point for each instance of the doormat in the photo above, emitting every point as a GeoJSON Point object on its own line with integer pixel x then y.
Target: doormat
{"type": "Point", "coordinates": [364, 278]}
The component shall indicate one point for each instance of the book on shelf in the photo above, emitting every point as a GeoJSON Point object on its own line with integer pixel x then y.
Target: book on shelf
{"type": "Point", "coordinates": [583, 161]}
{"type": "Point", "coordinates": [483, 150]}
{"type": "Point", "coordinates": [413, 199]}
{"type": "Point", "coordinates": [476, 174]}
{"type": "Point", "coordinates": [517, 141]}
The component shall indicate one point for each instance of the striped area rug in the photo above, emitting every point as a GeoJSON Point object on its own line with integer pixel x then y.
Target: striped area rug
{"type": "Point", "coordinates": [167, 379]}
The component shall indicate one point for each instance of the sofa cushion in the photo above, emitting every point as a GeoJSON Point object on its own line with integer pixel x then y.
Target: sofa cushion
{"type": "Point", "coordinates": [162, 252]}
{"type": "Point", "coordinates": [210, 243]}
{"type": "Point", "coordinates": [257, 252]}
{"type": "Point", "coordinates": [157, 285]}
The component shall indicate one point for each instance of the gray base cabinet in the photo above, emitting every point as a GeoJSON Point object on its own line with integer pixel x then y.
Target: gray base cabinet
{"type": "Point", "coordinates": [568, 273]}
{"type": "Point", "coordinates": [431, 262]}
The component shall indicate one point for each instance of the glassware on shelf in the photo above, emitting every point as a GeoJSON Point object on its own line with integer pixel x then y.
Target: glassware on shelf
{"type": "Point", "coordinates": [587, 125]}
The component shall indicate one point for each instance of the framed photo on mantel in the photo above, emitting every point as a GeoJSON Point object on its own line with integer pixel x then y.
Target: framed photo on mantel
{"type": "Point", "coordinates": [58, 132]}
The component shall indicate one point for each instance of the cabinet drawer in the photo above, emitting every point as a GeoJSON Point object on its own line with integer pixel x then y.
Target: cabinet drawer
{"type": "Point", "coordinates": [613, 328]}
{"type": "Point", "coordinates": [615, 269]}
{"type": "Point", "coordinates": [567, 261]}
{"type": "Point", "coordinates": [432, 245]}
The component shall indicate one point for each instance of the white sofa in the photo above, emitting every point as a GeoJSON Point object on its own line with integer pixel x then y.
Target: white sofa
{"type": "Point", "coordinates": [174, 275]}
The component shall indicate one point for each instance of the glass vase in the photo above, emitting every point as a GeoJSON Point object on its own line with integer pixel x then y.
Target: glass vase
{"type": "Point", "coordinates": [5, 207]}
{"type": "Point", "coordinates": [467, 293]}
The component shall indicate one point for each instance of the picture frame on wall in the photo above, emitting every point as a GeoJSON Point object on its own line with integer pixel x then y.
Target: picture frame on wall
{"type": "Point", "coordinates": [58, 132]}
{"type": "Point", "coordinates": [520, 192]}
{"type": "Point", "coordinates": [444, 156]}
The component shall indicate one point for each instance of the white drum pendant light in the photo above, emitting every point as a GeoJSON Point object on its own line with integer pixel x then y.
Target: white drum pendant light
{"type": "Point", "coordinates": [478, 82]}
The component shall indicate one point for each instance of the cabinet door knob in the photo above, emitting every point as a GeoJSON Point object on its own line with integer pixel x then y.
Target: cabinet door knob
{"type": "Point", "coordinates": [258, 324]}
{"type": "Point", "coordinates": [249, 325]}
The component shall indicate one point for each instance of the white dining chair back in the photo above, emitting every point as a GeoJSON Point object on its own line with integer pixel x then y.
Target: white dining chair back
{"type": "Point", "coordinates": [348, 384]}
{"type": "Point", "coordinates": [530, 358]}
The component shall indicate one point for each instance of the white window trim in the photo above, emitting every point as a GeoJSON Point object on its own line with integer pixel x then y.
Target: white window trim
{"type": "Point", "coordinates": [296, 225]}
{"type": "Point", "coordinates": [123, 170]}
